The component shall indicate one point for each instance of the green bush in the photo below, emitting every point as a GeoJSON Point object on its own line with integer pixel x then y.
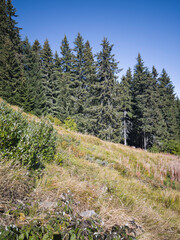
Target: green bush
{"type": "Point", "coordinates": [155, 149]}
{"type": "Point", "coordinates": [12, 126]}
{"type": "Point", "coordinates": [54, 120]}
{"type": "Point", "coordinates": [37, 145]}
{"type": "Point", "coordinates": [31, 143]}
{"type": "Point", "coordinates": [171, 146]}
{"type": "Point", "coordinates": [70, 124]}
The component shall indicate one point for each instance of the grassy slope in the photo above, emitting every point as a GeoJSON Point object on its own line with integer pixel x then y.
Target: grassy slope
{"type": "Point", "coordinates": [132, 184]}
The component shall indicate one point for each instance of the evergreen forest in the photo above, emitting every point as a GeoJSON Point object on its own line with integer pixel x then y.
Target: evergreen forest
{"type": "Point", "coordinates": [141, 110]}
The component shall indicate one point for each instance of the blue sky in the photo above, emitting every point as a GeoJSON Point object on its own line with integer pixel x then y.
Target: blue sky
{"type": "Point", "coordinates": [151, 27]}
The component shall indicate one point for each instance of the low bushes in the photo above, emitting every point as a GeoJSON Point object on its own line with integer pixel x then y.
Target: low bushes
{"type": "Point", "coordinates": [12, 126]}
{"type": "Point", "coordinates": [170, 146]}
{"type": "Point", "coordinates": [70, 123]}
{"type": "Point", "coordinates": [37, 145]}
{"type": "Point", "coordinates": [31, 143]}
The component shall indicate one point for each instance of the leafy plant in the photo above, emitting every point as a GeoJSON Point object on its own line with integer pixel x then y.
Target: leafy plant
{"type": "Point", "coordinates": [12, 126]}
{"type": "Point", "coordinates": [70, 124]}
{"type": "Point", "coordinates": [31, 143]}
{"type": "Point", "coordinates": [37, 145]}
{"type": "Point", "coordinates": [54, 120]}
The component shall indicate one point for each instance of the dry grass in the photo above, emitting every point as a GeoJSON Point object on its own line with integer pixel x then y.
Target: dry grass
{"type": "Point", "coordinates": [135, 184]}
{"type": "Point", "coordinates": [15, 182]}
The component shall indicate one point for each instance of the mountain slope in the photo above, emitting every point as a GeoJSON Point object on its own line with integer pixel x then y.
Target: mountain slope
{"type": "Point", "coordinates": [121, 184]}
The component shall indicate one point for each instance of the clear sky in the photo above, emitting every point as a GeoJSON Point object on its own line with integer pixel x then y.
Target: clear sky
{"type": "Point", "coordinates": [151, 27]}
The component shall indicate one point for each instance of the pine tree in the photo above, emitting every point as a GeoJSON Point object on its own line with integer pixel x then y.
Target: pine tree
{"type": "Point", "coordinates": [106, 73]}
{"type": "Point", "coordinates": [65, 101]}
{"type": "Point", "coordinates": [90, 79]}
{"type": "Point", "coordinates": [3, 23]}
{"type": "Point", "coordinates": [148, 122]}
{"type": "Point", "coordinates": [118, 113]}
{"type": "Point", "coordinates": [178, 118]}
{"type": "Point", "coordinates": [13, 30]}
{"type": "Point", "coordinates": [56, 86]}
{"type": "Point", "coordinates": [12, 79]}
{"type": "Point", "coordinates": [126, 103]}
{"type": "Point", "coordinates": [158, 123]}
{"type": "Point", "coordinates": [31, 63]}
{"type": "Point", "coordinates": [47, 77]}
{"type": "Point", "coordinates": [140, 119]}
{"type": "Point", "coordinates": [78, 86]}
{"type": "Point", "coordinates": [39, 105]}
{"type": "Point", "coordinates": [167, 102]}
{"type": "Point", "coordinates": [28, 63]}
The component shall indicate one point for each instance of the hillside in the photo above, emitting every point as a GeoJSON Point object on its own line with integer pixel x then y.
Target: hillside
{"type": "Point", "coordinates": [122, 185]}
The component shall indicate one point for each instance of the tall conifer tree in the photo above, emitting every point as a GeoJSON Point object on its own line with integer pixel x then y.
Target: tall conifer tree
{"type": "Point", "coordinates": [78, 86]}
{"type": "Point", "coordinates": [167, 103]}
{"type": "Point", "coordinates": [106, 73]}
{"type": "Point", "coordinates": [65, 101]}
{"type": "Point", "coordinates": [126, 103]}
{"type": "Point", "coordinates": [37, 75]}
{"type": "Point", "coordinates": [90, 79]}
{"type": "Point", "coordinates": [47, 77]}
{"type": "Point", "coordinates": [139, 134]}
{"type": "Point", "coordinates": [11, 71]}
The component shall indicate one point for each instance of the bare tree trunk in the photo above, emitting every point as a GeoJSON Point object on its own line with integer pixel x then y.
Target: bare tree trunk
{"type": "Point", "coordinates": [145, 141]}
{"type": "Point", "coordinates": [125, 129]}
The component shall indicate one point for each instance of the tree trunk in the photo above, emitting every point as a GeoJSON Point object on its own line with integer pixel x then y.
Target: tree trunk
{"type": "Point", "coordinates": [125, 129]}
{"type": "Point", "coordinates": [145, 141]}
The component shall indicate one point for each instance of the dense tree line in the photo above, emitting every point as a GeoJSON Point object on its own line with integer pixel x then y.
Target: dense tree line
{"type": "Point", "coordinates": [140, 110]}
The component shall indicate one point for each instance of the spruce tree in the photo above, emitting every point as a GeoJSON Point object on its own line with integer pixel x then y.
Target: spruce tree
{"type": "Point", "coordinates": [118, 113]}
{"type": "Point", "coordinates": [90, 79]}
{"type": "Point", "coordinates": [65, 101]}
{"type": "Point", "coordinates": [31, 63]}
{"type": "Point", "coordinates": [140, 82]}
{"type": "Point", "coordinates": [12, 79]}
{"type": "Point", "coordinates": [178, 118]}
{"type": "Point", "coordinates": [47, 77]}
{"type": "Point", "coordinates": [28, 63]}
{"type": "Point", "coordinates": [148, 122]}
{"type": "Point", "coordinates": [126, 103]}
{"type": "Point", "coordinates": [56, 86]}
{"type": "Point", "coordinates": [12, 29]}
{"type": "Point", "coordinates": [78, 85]}
{"type": "Point", "coordinates": [3, 23]}
{"type": "Point", "coordinates": [167, 103]}
{"type": "Point", "coordinates": [106, 74]}
{"type": "Point", "coordinates": [158, 123]}
{"type": "Point", "coordinates": [37, 75]}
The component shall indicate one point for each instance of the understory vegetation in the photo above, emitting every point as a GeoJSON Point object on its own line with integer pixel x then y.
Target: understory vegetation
{"type": "Point", "coordinates": [133, 194]}
{"type": "Point", "coordinates": [31, 143]}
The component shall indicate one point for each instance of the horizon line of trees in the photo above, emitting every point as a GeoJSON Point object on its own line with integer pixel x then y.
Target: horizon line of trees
{"type": "Point", "coordinates": [142, 110]}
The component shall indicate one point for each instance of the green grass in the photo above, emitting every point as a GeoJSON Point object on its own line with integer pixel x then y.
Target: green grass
{"type": "Point", "coordinates": [133, 184]}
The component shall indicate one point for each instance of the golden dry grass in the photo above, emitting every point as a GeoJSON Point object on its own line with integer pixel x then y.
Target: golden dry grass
{"type": "Point", "coordinates": [134, 184]}
{"type": "Point", "coordinates": [130, 186]}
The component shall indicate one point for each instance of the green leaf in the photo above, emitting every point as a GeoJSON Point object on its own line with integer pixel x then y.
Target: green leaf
{"type": "Point", "coordinates": [73, 237]}
{"type": "Point", "coordinates": [45, 237]}
{"type": "Point", "coordinates": [22, 236]}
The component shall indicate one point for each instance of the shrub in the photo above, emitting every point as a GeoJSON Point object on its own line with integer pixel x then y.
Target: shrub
{"type": "Point", "coordinates": [37, 145]}
{"type": "Point", "coordinates": [70, 124]}
{"type": "Point", "coordinates": [171, 146]}
{"type": "Point", "coordinates": [12, 126]}
{"type": "Point", "coordinates": [31, 143]}
{"type": "Point", "coordinates": [54, 120]}
{"type": "Point", "coordinates": [57, 122]}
